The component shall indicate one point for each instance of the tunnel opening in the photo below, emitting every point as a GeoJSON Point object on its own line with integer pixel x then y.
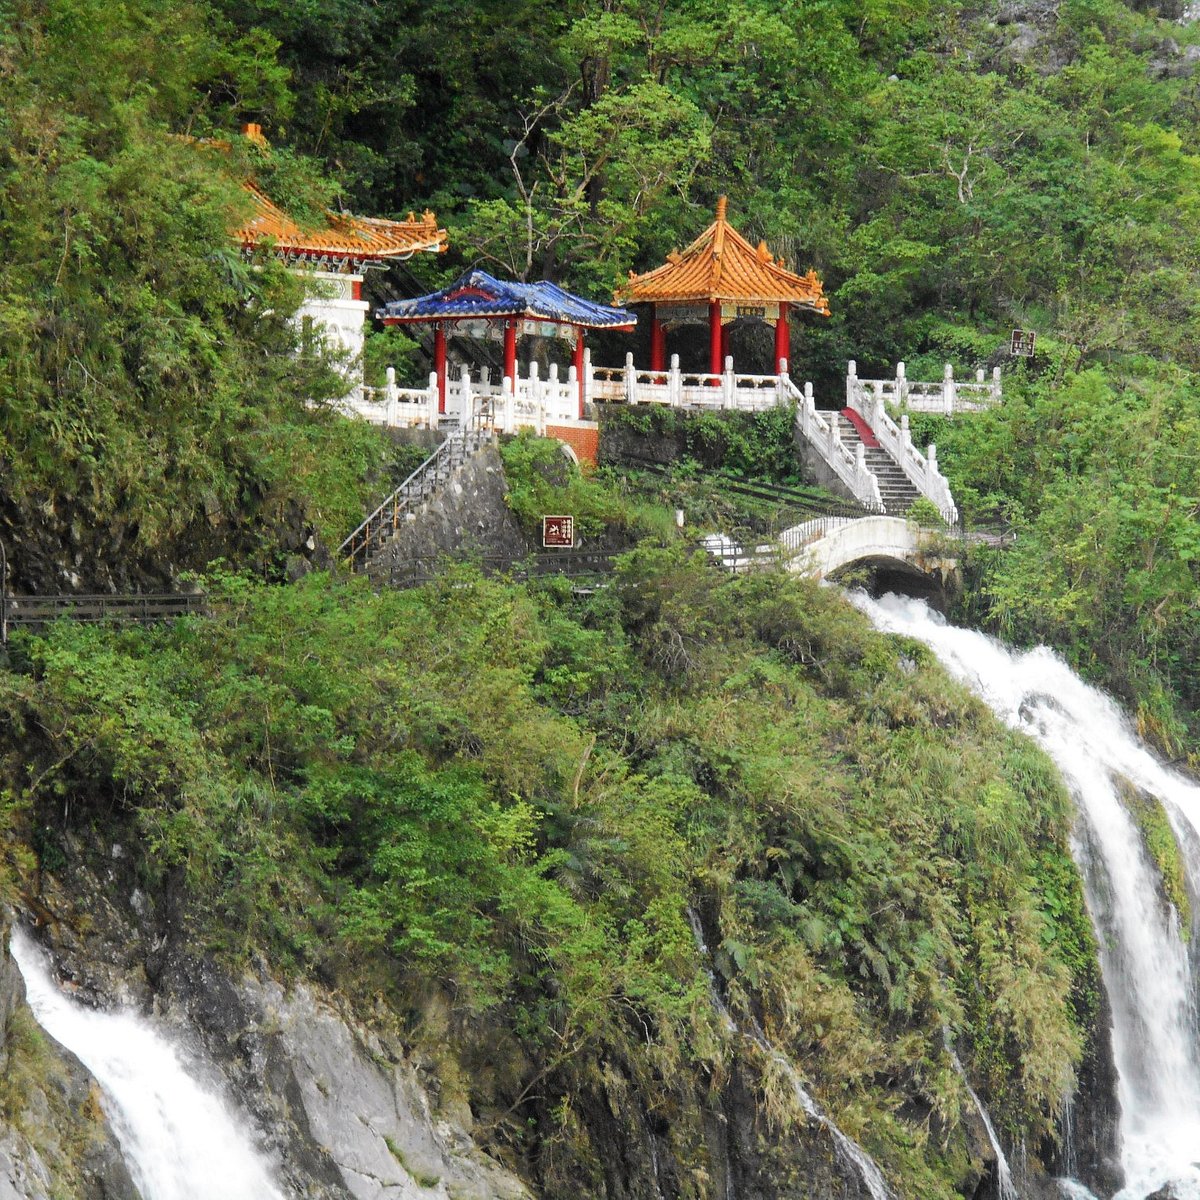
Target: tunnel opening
{"type": "Point", "coordinates": [878, 575]}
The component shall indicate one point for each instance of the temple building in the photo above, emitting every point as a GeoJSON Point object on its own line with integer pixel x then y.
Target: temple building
{"type": "Point", "coordinates": [718, 280]}
{"type": "Point", "coordinates": [480, 306]}
{"type": "Point", "coordinates": [334, 258]}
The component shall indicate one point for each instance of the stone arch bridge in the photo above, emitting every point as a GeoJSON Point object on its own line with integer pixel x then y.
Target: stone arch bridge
{"type": "Point", "coordinates": [896, 554]}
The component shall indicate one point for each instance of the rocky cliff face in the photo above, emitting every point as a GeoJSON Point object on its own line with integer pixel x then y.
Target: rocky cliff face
{"type": "Point", "coordinates": [339, 1105]}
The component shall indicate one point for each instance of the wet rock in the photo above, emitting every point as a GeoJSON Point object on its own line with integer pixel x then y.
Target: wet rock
{"type": "Point", "coordinates": [60, 1141]}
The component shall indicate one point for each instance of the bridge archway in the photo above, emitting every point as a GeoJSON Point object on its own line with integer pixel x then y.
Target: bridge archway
{"type": "Point", "coordinates": [879, 553]}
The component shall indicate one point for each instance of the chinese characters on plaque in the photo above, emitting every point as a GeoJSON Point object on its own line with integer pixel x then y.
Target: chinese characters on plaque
{"type": "Point", "coordinates": [1022, 343]}
{"type": "Point", "coordinates": [558, 531]}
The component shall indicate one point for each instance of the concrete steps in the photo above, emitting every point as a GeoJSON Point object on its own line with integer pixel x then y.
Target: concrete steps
{"type": "Point", "coordinates": [895, 488]}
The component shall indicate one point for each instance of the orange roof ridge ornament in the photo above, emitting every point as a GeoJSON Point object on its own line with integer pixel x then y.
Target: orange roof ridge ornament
{"type": "Point", "coordinates": [722, 266]}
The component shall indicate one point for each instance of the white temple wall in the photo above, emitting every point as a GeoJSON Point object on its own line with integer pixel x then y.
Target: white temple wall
{"type": "Point", "coordinates": [332, 310]}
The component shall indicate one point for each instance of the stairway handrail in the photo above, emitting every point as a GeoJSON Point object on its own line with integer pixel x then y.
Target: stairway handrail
{"type": "Point", "coordinates": [823, 436]}
{"type": "Point", "coordinates": [444, 449]}
{"type": "Point", "coordinates": [921, 470]}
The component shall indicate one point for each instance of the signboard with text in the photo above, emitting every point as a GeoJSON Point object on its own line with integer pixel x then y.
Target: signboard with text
{"type": "Point", "coordinates": [558, 532]}
{"type": "Point", "coordinates": [1022, 343]}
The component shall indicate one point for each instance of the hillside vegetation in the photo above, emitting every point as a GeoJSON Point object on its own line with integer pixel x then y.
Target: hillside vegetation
{"type": "Point", "coordinates": [512, 799]}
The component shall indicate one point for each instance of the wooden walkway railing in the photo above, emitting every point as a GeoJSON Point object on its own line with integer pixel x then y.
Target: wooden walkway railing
{"type": "Point", "coordinates": [141, 608]}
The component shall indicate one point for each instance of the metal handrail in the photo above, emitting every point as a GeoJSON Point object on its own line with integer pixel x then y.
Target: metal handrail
{"type": "Point", "coordinates": [367, 528]}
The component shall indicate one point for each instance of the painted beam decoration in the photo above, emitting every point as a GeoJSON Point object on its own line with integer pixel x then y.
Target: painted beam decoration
{"type": "Point", "coordinates": [543, 309]}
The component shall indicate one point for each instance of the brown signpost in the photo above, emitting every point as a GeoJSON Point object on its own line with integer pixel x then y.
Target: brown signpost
{"type": "Point", "coordinates": [1022, 343]}
{"type": "Point", "coordinates": [558, 532]}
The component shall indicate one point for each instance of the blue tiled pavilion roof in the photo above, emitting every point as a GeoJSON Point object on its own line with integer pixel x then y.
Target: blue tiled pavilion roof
{"type": "Point", "coordinates": [477, 294]}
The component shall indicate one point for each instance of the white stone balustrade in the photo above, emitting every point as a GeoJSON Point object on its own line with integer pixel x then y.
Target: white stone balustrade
{"type": "Point", "coordinates": [946, 396]}
{"type": "Point", "coordinates": [681, 389]}
{"type": "Point", "coordinates": [921, 468]}
{"type": "Point", "coordinates": [820, 430]}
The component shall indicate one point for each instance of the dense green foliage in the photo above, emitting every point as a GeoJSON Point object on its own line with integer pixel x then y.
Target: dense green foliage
{"type": "Point", "coordinates": [148, 390]}
{"type": "Point", "coordinates": [949, 169]}
{"type": "Point", "coordinates": [1097, 473]}
{"type": "Point", "coordinates": [516, 797]}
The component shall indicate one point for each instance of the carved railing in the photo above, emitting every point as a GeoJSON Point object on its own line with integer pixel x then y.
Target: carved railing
{"type": "Point", "coordinates": [947, 396]}
{"type": "Point", "coordinates": [681, 389]}
{"type": "Point", "coordinates": [920, 468]}
{"type": "Point", "coordinates": [395, 407]}
{"type": "Point", "coordinates": [820, 430]}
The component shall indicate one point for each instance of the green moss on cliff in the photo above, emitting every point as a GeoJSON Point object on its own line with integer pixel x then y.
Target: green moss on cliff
{"type": "Point", "coordinates": [1159, 839]}
{"type": "Point", "coordinates": [513, 797]}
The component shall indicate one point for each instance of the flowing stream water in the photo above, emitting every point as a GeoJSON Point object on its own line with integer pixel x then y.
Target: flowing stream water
{"type": "Point", "coordinates": [1143, 951]}
{"type": "Point", "coordinates": [851, 1153]}
{"type": "Point", "coordinates": [180, 1141]}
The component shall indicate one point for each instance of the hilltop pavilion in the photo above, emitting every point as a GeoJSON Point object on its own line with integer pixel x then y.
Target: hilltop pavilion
{"type": "Point", "coordinates": [479, 305]}
{"type": "Point", "coordinates": [335, 257]}
{"type": "Point", "coordinates": [721, 278]}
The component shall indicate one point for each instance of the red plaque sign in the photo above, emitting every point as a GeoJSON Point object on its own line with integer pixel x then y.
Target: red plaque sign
{"type": "Point", "coordinates": [558, 531]}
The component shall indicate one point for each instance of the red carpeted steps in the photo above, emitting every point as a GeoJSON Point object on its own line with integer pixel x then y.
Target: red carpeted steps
{"type": "Point", "coordinates": [895, 488]}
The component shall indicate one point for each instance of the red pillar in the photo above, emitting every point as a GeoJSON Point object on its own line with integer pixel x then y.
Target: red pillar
{"type": "Point", "coordinates": [724, 345]}
{"type": "Point", "coordinates": [439, 364]}
{"type": "Point", "coordinates": [510, 351]}
{"type": "Point", "coordinates": [658, 343]}
{"type": "Point", "coordinates": [578, 361]}
{"type": "Point", "coordinates": [782, 337]}
{"type": "Point", "coordinates": [356, 289]}
{"type": "Point", "coordinates": [714, 336]}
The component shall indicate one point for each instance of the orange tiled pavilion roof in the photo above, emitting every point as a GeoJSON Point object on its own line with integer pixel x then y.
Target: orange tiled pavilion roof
{"type": "Point", "coordinates": [721, 265]}
{"type": "Point", "coordinates": [360, 239]}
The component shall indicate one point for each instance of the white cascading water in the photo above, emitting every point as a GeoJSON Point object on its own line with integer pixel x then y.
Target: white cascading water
{"type": "Point", "coordinates": [849, 1150]}
{"type": "Point", "coordinates": [1005, 1188]}
{"type": "Point", "coordinates": [179, 1141]}
{"type": "Point", "coordinates": [1143, 954]}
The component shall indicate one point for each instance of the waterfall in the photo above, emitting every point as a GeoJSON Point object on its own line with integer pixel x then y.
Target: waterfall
{"type": "Point", "coordinates": [180, 1140]}
{"type": "Point", "coordinates": [851, 1153]}
{"type": "Point", "coordinates": [1143, 955]}
{"type": "Point", "coordinates": [1005, 1188]}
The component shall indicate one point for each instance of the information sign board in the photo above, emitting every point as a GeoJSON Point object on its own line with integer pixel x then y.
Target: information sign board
{"type": "Point", "coordinates": [1022, 343]}
{"type": "Point", "coordinates": [558, 532]}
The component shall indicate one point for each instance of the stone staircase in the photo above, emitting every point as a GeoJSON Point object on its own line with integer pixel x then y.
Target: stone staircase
{"type": "Point", "coordinates": [373, 535]}
{"type": "Point", "coordinates": [896, 490]}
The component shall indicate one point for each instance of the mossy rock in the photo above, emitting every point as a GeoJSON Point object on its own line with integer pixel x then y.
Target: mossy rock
{"type": "Point", "coordinates": [1161, 844]}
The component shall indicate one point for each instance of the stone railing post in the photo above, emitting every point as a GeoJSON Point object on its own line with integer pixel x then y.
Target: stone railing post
{"type": "Point", "coordinates": [931, 459]}
{"type": "Point", "coordinates": [727, 389]}
{"type": "Point", "coordinates": [431, 401]}
{"type": "Point", "coordinates": [948, 389]}
{"type": "Point", "coordinates": [631, 388]}
{"type": "Point", "coordinates": [997, 395]}
{"type": "Point", "coordinates": [554, 392]}
{"type": "Point", "coordinates": [781, 383]}
{"type": "Point", "coordinates": [466, 412]}
{"type": "Point", "coordinates": [675, 383]}
{"type": "Point", "coordinates": [901, 385]}
{"type": "Point", "coordinates": [508, 422]}
{"type": "Point", "coordinates": [588, 378]}
{"type": "Point", "coordinates": [533, 385]}
{"type": "Point", "coordinates": [905, 436]}
{"type": "Point", "coordinates": [851, 383]}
